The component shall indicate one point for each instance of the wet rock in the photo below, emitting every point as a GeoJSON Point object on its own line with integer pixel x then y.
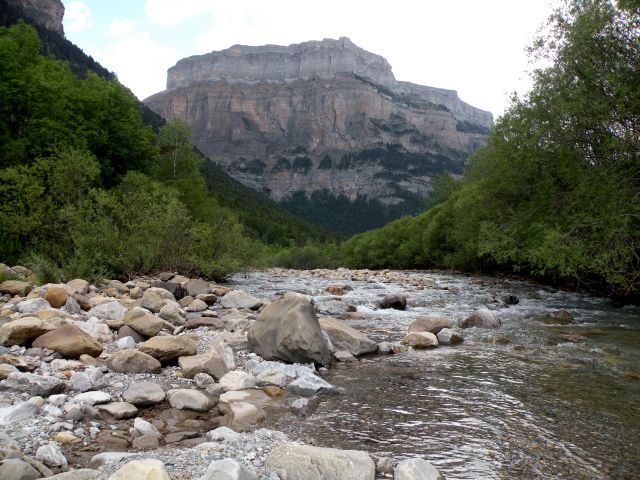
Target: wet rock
{"type": "Point", "coordinates": [143, 322]}
{"type": "Point", "coordinates": [289, 330]}
{"type": "Point", "coordinates": [242, 416]}
{"type": "Point", "coordinates": [51, 456]}
{"type": "Point", "coordinates": [315, 463]}
{"type": "Point", "coordinates": [240, 299]}
{"type": "Point", "coordinates": [133, 361]}
{"type": "Point", "coordinates": [69, 341]}
{"type": "Point", "coordinates": [343, 337]}
{"type": "Point", "coordinates": [416, 469]}
{"type": "Point", "coordinates": [446, 336]}
{"type": "Point", "coordinates": [15, 287]}
{"type": "Point", "coordinates": [16, 469]}
{"type": "Point", "coordinates": [384, 348]}
{"type": "Point", "coordinates": [430, 323]}
{"type": "Point", "coordinates": [147, 469]}
{"type": "Point", "coordinates": [398, 348]}
{"type": "Point", "coordinates": [185, 399]}
{"type": "Point", "coordinates": [310, 385]}
{"type": "Point", "coordinates": [384, 466]}
{"type": "Point", "coordinates": [34, 384]}
{"type": "Point", "coordinates": [420, 340]}
{"type": "Point", "coordinates": [23, 330]}
{"type": "Point", "coordinates": [291, 371]}
{"type": "Point", "coordinates": [397, 302]}
{"type": "Point", "coordinates": [167, 348]}
{"type": "Point", "coordinates": [228, 469]}
{"type": "Point", "coordinates": [17, 412]}
{"type": "Point", "coordinates": [482, 318]}
{"type": "Point", "coordinates": [510, 300]}
{"type": "Point", "coordinates": [338, 290]}
{"type": "Point", "coordinates": [111, 310]}
{"type": "Point", "coordinates": [237, 380]}
{"type": "Point", "coordinates": [561, 317]}
{"type": "Point", "coordinates": [144, 394]}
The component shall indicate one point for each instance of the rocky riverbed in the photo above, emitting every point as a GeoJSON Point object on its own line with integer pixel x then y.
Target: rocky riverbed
{"type": "Point", "coordinates": [176, 377]}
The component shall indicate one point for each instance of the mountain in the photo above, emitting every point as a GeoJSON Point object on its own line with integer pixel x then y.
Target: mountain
{"type": "Point", "coordinates": [260, 216]}
{"type": "Point", "coordinates": [322, 125]}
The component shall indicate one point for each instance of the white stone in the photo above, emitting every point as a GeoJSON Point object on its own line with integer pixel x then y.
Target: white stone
{"type": "Point", "coordinates": [126, 342]}
{"type": "Point", "coordinates": [17, 412]}
{"type": "Point", "coordinates": [311, 385]}
{"type": "Point", "coordinates": [111, 310]}
{"type": "Point", "coordinates": [92, 398]}
{"type": "Point", "coordinates": [416, 469]}
{"type": "Point", "coordinates": [228, 469]}
{"type": "Point", "coordinates": [144, 428]}
{"type": "Point", "coordinates": [51, 456]}
{"type": "Point", "coordinates": [237, 380]}
{"type": "Point", "coordinates": [222, 434]}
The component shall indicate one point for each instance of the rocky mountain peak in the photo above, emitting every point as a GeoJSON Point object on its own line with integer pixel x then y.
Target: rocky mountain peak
{"type": "Point", "coordinates": [275, 63]}
{"type": "Point", "coordinates": [48, 13]}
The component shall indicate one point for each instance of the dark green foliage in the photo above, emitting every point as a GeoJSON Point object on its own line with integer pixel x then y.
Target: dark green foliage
{"type": "Point", "coordinates": [342, 216]}
{"type": "Point", "coordinates": [302, 165]}
{"type": "Point", "coordinates": [470, 127]}
{"type": "Point", "coordinates": [325, 163]}
{"type": "Point", "coordinates": [556, 193]}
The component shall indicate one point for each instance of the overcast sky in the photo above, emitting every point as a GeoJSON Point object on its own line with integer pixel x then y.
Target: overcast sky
{"type": "Point", "coordinates": [474, 47]}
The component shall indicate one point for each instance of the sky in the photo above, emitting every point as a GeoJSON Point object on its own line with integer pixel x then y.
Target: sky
{"type": "Point", "coordinates": [474, 47]}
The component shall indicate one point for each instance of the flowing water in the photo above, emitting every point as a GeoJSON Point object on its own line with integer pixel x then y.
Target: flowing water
{"type": "Point", "coordinates": [537, 407]}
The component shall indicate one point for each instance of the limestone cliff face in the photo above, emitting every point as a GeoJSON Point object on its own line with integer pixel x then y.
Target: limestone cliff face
{"type": "Point", "coordinates": [48, 13]}
{"type": "Point", "coordinates": [321, 115]}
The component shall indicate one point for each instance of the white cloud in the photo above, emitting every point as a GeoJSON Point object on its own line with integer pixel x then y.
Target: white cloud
{"type": "Point", "coordinates": [77, 17]}
{"type": "Point", "coordinates": [140, 63]}
{"type": "Point", "coordinates": [170, 12]}
{"type": "Point", "coordinates": [119, 28]}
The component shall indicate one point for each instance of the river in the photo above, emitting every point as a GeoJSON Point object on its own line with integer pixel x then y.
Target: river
{"type": "Point", "coordinates": [526, 401]}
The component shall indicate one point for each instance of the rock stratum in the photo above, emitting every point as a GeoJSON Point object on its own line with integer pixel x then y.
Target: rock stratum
{"type": "Point", "coordinates": [47, 13]}
{"type": "Point", "coordinates": [320, 116]}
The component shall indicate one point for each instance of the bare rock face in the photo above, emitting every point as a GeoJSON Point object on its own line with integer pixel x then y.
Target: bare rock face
{"type": "Point", "coordinates": [48, 13]}
{"type": "Point", "coordinates": [322, 115]}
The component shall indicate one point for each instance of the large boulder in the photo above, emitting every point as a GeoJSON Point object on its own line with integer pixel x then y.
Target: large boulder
{"type": "Point", "coordinates": [289, 330]}
{"type": "Point", "coordinates": [195, 287]}
{"type": "Point", "coordinates": [240, 299]}
{"type": "Point", "coordinates": [314, 463]}
{"type": "Point", "coordinates": [343, 337]}
{"type": "Point", "coordinates": [23, 330]}
{"type": "Point", "coordinates": [143, 322]}
{"type": "Point", "coordinates": [430, 323]}
{"type": "Point", "coordinates": [15, 287]}
{"type": "Point", "coordinates": [416, 469]}
{"type": "Point", "coordinates": [482, 318]}
{"type": "Point", "coordinates": [78, 285]}
{"type": "Point", "coordinates": [133, 361]}
{"type": "Point", "coordinates": [69, 341]}
{"type": "Point", "coordinates": [167, 348]}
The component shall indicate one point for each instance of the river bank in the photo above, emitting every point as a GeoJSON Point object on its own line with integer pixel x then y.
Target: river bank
{"type": "Point", "coordinates": [473, 410]}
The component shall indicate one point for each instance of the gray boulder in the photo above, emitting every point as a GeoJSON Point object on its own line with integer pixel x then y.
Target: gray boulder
{"type": "Point", "coordinates": [16, 469]}
{"type": "Point", "coordinates": [240, 299]}
{"type": "Point", "coordinates": [289, 330]}
{"type": "Point", "coordinates": [144, 394]}
{"type": "Point", "coordinates": [186, 399]}
{"type": "Point", "coordinates": [397, 302]}
{"type": "Point", "coordinates": [195, 287]}
{"type": "Point", "coordinates": [343, 337]}
{"type": "Point", "coordinates": [416, 469]}
{"type": "Point", "coordinates": [446, 336]}
{"type": "Point", "coordinates": [293, 461]}
{"type": "Point", "coordinates": [111, 310]}
{"type": "Point", "coordinates": [482, 318]}
{"type": "Point", "coordinates": [311, 385]}
{"type": "Point", "coordinates": [34, 384]}
{"type": "Point", "coordinates": [228, 469]}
